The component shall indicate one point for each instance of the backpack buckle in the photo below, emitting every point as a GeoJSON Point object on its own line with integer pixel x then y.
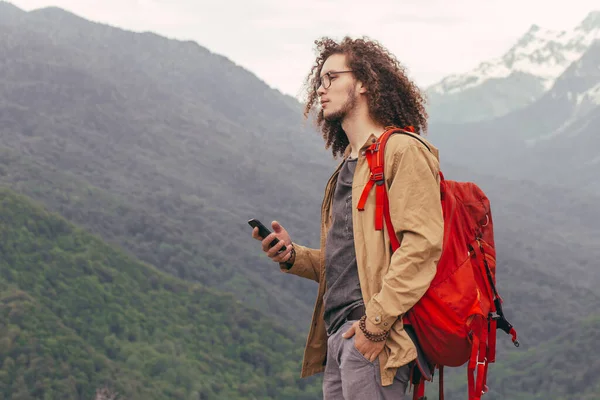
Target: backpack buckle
{"type": "Point", "coordinates": [374, 148]}
{"type": "Point", "coordinates": [377, 177]}
{"type": "Point", "coordinates": [494, 315]}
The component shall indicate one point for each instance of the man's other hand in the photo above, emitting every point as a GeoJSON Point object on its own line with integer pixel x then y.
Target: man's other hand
{"type": "Point", "coordinates": [369, 349]}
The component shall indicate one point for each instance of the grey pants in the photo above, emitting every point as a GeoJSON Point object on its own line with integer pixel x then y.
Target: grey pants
{"type": "Point", "coordinates": [350, 376]}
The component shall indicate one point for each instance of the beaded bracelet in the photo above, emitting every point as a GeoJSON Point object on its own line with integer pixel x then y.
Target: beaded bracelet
{"type": "Point", "coordinates": [374, 337]}
{"type": "Point", "coordinates": [287, 263]}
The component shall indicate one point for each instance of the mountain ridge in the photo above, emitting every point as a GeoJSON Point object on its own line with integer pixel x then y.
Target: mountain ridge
{"type": "Point", "coordinates": [529, 50]}
{"type": "Point", "coordinates": [527, 71]}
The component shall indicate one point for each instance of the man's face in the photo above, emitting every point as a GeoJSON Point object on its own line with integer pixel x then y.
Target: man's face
{"type": "Point", "coordinates": [338, 92]}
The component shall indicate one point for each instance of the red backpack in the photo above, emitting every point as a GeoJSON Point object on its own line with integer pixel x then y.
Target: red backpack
{"type": "Point", "coordinates": [456, 319]}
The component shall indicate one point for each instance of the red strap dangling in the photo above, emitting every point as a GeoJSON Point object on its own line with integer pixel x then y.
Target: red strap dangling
{"type": "Point", "coordinates": [380, 201]}
{"type": "Point", "coordinates": [388, 222]}
{"type": "Point", "coordinates": [365, 195]}
{"type": "Point", "coordinates": [419, 390]}
{"type": "Point", "coordinates": [471, 368]}
{"type": "Point", "coordinates": [441, 395]}
{"type": "Point", "coordinates": [492, 339]}
{"type": "Point", "coordinates": [478, 362]}
{"type": "Point", "coordinates": [481, 367]}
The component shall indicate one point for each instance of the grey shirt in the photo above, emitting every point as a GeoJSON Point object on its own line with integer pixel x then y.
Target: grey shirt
{"type": "Point", "coordinates": [343, 292]}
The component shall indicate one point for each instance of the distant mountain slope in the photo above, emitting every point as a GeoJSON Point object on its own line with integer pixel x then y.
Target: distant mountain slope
{"type": "Point", "coordinates": [10, 12]}
{"type": "Point", "coordinates": [515, 80]}
{"type": "Point", "coordinates": [139, 116]}
{"type": "Point", "coordinates": [564, 368]}
{"type": "Point", "coordinates": [78, 314]}
{"type": "Point", "coordinates": [159, 239]}
{"type": "Point", "coordinates": [569, 157]}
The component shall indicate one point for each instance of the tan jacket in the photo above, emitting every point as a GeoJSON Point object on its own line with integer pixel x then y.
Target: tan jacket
{"type": "Point", "coordinates": [390, 285]}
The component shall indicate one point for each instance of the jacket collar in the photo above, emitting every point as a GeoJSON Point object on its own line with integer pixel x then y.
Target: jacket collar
{"type": "Point", "coordinates": [370, 140]}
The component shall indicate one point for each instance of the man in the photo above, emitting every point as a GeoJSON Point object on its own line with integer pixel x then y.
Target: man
{"type": "Point", "coordinates": [362, 89]}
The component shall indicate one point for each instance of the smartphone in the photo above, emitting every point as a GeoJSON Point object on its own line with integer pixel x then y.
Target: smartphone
{"type": "Point", "coordinates": [263, 231]}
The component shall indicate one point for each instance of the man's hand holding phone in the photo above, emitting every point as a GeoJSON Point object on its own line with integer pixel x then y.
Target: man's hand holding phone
{"type": "Point", "coordinates": [277, 244]}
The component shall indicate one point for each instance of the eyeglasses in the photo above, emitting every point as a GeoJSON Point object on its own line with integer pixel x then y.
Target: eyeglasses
{"type": "Point", "coordinates": [325, 80]}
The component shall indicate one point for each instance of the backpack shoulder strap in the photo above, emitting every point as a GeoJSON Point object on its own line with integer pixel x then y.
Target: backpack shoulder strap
{"type": "Point", "coordinates": [377, 150]}
{"type": "Point", "coordinates": [375, 158]}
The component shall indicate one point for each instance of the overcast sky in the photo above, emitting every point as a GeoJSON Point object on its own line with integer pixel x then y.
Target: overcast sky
{"type": "Point", "coordinates": [274, 38]}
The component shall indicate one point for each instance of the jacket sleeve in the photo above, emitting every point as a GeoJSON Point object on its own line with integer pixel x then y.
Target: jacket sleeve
{"type": "Point", "coordinates": [416, 214]}
{"type": "Point", "coordinates": [307, 263]}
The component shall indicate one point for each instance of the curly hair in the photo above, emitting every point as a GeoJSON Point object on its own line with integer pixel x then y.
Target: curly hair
{"type": "Point", "coordinates": [393, 99]}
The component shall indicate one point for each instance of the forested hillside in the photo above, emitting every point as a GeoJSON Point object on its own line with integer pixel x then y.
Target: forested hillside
{"type": "Point", "coordinates": [77, 314]}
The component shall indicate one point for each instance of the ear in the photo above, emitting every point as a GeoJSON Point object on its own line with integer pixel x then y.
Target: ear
{"type": "Point", "coordinates": [361, 87]}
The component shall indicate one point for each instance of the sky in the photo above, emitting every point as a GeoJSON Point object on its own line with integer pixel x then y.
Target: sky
{"type": "Point", "coordinates": [274, 39]}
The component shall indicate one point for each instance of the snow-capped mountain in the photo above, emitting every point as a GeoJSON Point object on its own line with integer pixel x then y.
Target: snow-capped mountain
{"type": "Point", "coordinates": [553, 140]}
{"type": "Point", "coordinates": [543, 53]}
{"type": "Point", "coordinates": [518, 78]}
{"type": "Point", "coordinates": [574, 94]}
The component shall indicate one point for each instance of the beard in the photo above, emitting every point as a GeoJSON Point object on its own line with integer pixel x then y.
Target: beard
{"type": "Point", "coordinates": [339, 115]}
{"type": "Point", "coordinates": [331, 125]}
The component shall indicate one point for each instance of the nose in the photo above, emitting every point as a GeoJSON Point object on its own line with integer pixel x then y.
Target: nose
{"type": "Point", "coordinates": [320, 90]}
